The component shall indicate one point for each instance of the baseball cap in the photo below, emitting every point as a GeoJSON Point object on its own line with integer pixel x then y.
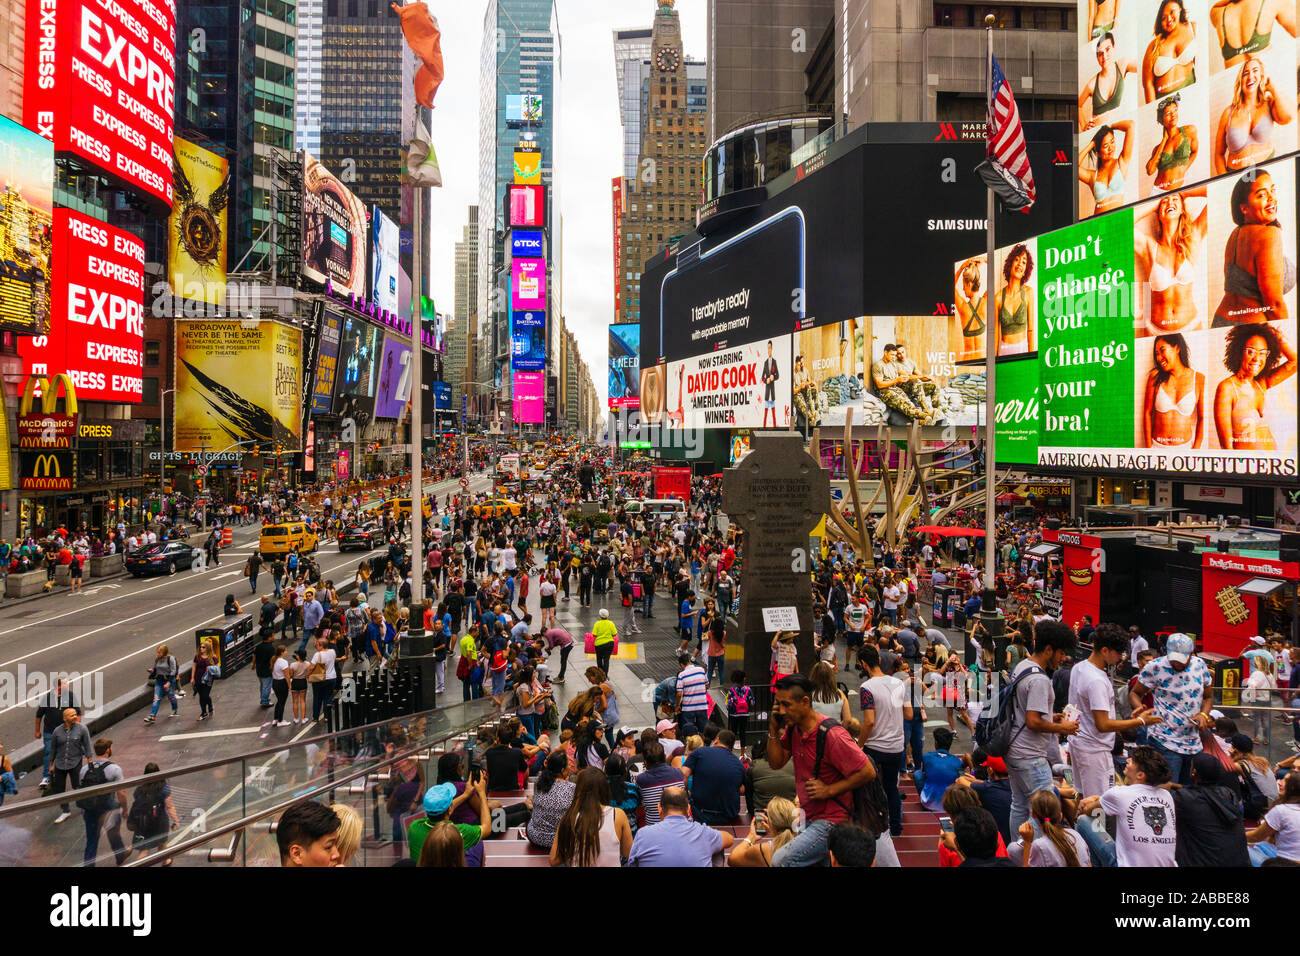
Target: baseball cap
{"type": "Point", "coordinates": [624, 731]}
{"type": "Point", "coordinates": [1241, 743]}
{"type": "Point", "coordinates": [1180, 648]}
{"type": "Point", "coordinates": [1258, 640]}
{"type": "Point", "coordinates": [660, 727]}
{"type": "Point", "coordinates": [437, 799]}
{"type": "Point", "coordinates": [996, 764]}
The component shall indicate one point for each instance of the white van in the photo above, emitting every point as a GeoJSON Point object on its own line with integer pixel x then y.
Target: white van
{"type": "Point", "coordinates": [667, 509]}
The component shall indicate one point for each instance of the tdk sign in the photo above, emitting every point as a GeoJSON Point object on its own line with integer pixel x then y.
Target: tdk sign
{"type": "Point", "coordinates": [526, 245]}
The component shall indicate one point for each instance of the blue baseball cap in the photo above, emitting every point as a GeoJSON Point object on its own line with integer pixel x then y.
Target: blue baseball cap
{"type": "Point", "coordinates": [437, 799]}
{"type": "Point", "coordinates": [1180, 648]}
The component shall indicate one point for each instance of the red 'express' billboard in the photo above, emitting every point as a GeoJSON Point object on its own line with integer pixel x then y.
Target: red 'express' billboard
{"type": "Point", "coordinates": [100, 83]}
{"type": "Point", "coordinates": [96, 311]}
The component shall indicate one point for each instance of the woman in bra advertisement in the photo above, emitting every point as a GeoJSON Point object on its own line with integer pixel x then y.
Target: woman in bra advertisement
{"type": "Point", "coordinates": [1242, 27]}
{"type": "Point", "coordinates": [1173, 413]}
{"type": "Point", "coordinates": [1248, 125]}
{"type": "Point", "coordinates": [1258, 274]}
{"type": "Point", "coordinates": [1258, 358]}
{"type": "Point", "coordinates": [970, 299]}
{"type": "Point", "coordinates": [1170, 60]}
{"type": "Point", "coordinates": [1104, 165]}
{"type": "Point", "coordinates": [1167, 244]}
{"type": "Point", "coordinates": [1176, 151]}
{"type": "Point", "coordinates": [1104, 93]}
{"type": "Point", "coordinates": [1014, 304]}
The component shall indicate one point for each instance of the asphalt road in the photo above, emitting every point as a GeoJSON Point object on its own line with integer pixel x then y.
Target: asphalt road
{"type": "Point", "coordinates": [108, 633]}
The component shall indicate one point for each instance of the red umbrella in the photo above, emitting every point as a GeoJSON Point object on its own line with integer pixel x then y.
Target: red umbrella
{"type": "Point", "coordinates": [946, 532]}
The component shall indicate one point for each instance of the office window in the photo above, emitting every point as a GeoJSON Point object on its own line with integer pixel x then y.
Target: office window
{"type": "Point", "coordinates": [152, 351]}
{"type": "Point", "coordinates": [150, 392]}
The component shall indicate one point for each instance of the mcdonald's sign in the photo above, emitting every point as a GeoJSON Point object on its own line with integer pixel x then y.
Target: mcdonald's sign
{"type": "Point", "coordinates": [47, 429]}
{"type": "Point", "coordinates": [49, 388]}
{"type": "Point", "coordinates": [47, 471]}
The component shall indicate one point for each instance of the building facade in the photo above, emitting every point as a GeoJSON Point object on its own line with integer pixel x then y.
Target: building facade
{"type": "Point", "coordinates": [462, 343]}
{"type": "Point", "coordinates": [13, 32]}
{"type": "Point", "coordinates": [307, 86]}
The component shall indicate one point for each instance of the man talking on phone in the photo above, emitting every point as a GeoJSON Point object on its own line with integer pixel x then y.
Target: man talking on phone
{"type": "Point", "coordinates": [826, 795]}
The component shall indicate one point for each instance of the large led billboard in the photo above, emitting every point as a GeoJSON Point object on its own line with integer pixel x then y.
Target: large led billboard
{"type": "Point", "coordinates": [625, 366]}
{"type": "Point", "coordinates": [1174, 92]}
{"type": "Point", "coordinates": [743, 387]}
{"type": "Point", "coordinates": [528, 167]}
{"type": "Point", "coordinates": [354, 388]}
{"type": "Point", "coordinates": [1158, 339]}
{"type": "Point", "coordinates": [529, 397]}
{"type": "Point", "coordinates": [196, 229]}
{"type": "Point", "coordinates": [528, 349]}
{"type": "Point", "coordinates": [528, 284]}
{"type": "Point", "coordinates": [327, 358]}
{"type": "Point", "coordinates": [333, 231]}
{"type": "Point", "coordinates": [393, 390]}
{"type": "Point", "coordinates": [26, 218]}
{"type": "Point", "coordinates": [236, 384]}
{"type": "Point", "coordinates": [100, 83]}
{"type": "Point", "coordinates": [526, 244]}
{"type": "Point", "coordinates": [383, 261]}
{"type": "Point", "coordinates": [527, 206]}
{"type": "Point", "coordinates": [523, 109]}
{"type": "Point", "coordinates": [96, 331]}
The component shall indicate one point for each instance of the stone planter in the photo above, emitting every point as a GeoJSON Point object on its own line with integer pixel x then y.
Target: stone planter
{"type": "Point", "coordinates": [103, 566]}
{"type": "Point", "coordinates": [62, 576]}
{"type": "Point", "coordinates": [25, 584]}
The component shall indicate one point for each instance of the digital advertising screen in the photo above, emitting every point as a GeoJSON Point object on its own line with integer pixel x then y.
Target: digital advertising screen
{"type": "Point", "coordinates": [334, 231]}
{"type": "Point", "coordinates": [528, 349]}
{"type": "Point", "coordinates": [26, 221]}
{"type": "Point", "coordinates": [526, 244]}
{"type": "Point", "coordinates": [745, 386]}
{"type": "Point", "coordinates": [196, 229]}
{"type": "Point", "coordinates": [100, 83]}
{"type": "Point", "coordinates": [531, 319]}
{"type": "Point", "coordinates": [1160, 338]}
{"type": "Point", "coordinates": [527, 206]}
{"type": "Point", "coordinates": [528, 167]}
{"type": "Point", "coordinates": [523, 109]}
{"type": "Point", "coordinates": [1174, 93]}
{"type": "Point", "coordinates": [528, 284]}
{"type": "Point", "coordinates": [237, 384]}
{"type": "Point", "coordinates": [358, 360]}
{"type": "Point", "coordinates": [529, 392]}
{"type": "Point", "coordinates": [393, 391]}
{"type": "Point", "coordinates": [383, 262]}
{"type": "Point", "coordinates": [442, 396]}
{"type": "Point", "coordinates": [96, 331]}
{"type": "Point", "coordinates": [327, 360]}
{"type": "Point", "coordinates": [625, 365]}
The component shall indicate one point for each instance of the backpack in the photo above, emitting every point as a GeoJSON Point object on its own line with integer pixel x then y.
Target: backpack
{"type": "Point", "coordinates": [463, 667]}
{"type": "Point", "coordinates": [869, 807]}
{"type": "Point", "coordinates": [293, 561]}
{"type": "Point", "coordinates": [993, 728]}
{"type": "Point", "coordinates": [739, 700]}
{"type": "Point", "coordinates": [96, 775]}
{"type": "Point", "coordinates": [1254, 804]}
{"type": "Point", "coordinates": [146, 811]}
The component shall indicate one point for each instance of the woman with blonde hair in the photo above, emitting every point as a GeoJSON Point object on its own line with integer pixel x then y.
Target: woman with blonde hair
{"type": "Point", "coordinates": [1167, 254]}
{"type": "Point", "coordinates": [350, 832]}
{"type": "Point", "coordinates": [444, 846]}
{"type": "Point", "coordinates": [1245, 132]}
{"type": "Point", "coordinates": [827, 699]}
{"type": "Point", "coordinates": [1060, 845]}
{"type": "Point", "coordinates": [769, 830]}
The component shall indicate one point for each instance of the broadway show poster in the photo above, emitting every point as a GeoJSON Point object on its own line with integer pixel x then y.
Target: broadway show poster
{"type": "Point", "coordinates": [393, 393]}
{"type": "Point", "coordinates": [334, 231]}
{"type": "Point", "coordinates": [196, 228]}
{"type": "Point", "coordinates": [26, 211]}
{"type": "Point", "coordinates": [327, 360]}
{"type": "Point", "coordinates": [743, 387]}
{"type": "Point", "coordinates": [236, 384]}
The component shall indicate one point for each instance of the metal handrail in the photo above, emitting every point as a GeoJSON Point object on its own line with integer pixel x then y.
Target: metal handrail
{"type": "Point", "coordinates": [244, 822]}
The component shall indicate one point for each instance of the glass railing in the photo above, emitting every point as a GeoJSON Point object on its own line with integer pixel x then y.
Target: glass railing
{"type": "Point", "coordinates": [223, 812]}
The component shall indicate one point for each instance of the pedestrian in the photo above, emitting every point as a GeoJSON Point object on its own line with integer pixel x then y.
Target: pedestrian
{"type": "Point", "coordinates": [740, 704]}
{"type": "Point", "coordinates": [558, 637]}
{"type": "Point", "coordinates": [1143, 811]}
{"type": "Point", "coordinates": [885, 708]}
{"type": "Point", "coordinates": [71, 743]}
{"type": "Point", "coordinates": [280, 684]}
{"type": "Point", "coordinates": [251, 569]}
{"type": "Point", "coordinates": [204, 672]}
{"type": "Point", "coordinates": [103, 812]}
{"type": "Point", "coordinates": [677, 841]}
{"type": "Point", "coordinates": [307, 834]}
{"type": "Point", "coordinates": [298, 671]}
{"type": "Point", "coordinates": [1182, 694]}
{"type": "Point", "coordinates": [263, 654]}
{"type": "Point", "coordinates": [692, 697]}
{"type": "Point", "coordinates": [152, 815]}
{"type": "Point", "coordinates": [604, 640]}
{"type": "Point", "coordinates": [312, 614]}
{"type": "Point", "coordinates": [49, 715]}
{"type": "Point", "coordinates": [165, 674]}
{"type": "Point", "coordinates": [1060, 846]}
{"type": "Point", "coordinates": [591, 832]}
{"type": "Point", "coordinates": [629, 611]}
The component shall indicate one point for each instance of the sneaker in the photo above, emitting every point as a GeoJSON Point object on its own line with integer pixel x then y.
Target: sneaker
{"type": "Point", "coordinates": [45, 782]}
{"type": "Point", "coordinates": [559, 680]}
{"type": "Point", "coordinates": [280, 723]}
{"type": "Point", "coordinates": [203, 716]}
{"type": "Point", "coordinates": [174, 714]}
{"type": "Point", "coordinates": [62, 816]}
{"type": "Point", "coordinates": [149, 720]}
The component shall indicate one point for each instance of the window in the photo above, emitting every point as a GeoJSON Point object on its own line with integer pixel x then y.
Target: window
{"type": "Point", "coordinates": [151, 353]}
{"type": "Point", "coordinates": [150, 392]}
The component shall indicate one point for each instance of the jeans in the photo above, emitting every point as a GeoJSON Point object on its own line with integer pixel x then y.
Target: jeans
{"type": "Point", "coordinates": [498, 682]}
{"type": "Point", "coordinates": [692, 722]}
{"type": "Point", "coordinates": [95, 820]}
{"type": "Point", "coordinates": [808, 848]}
{"type": "Point", "coordinates": [889, 766]}
{"type": "Point", "coordinates": [892, 614]}
{"type": "Point", "coordinates": [530, 723]}
{"type": "Point", "coordinates": [648, 605]}
{"type": "Point", "coordinates": [1180, 765]}
{"type": "Point", "coordinates": [48, 741]}
{"type": "Point", "coordinates": [914, 737]}
{"type": "Point", "coordinates": [1100, 846]}
{"type": "Point", "coordinates": [716, 663]}
{"type": "Point", "coordinates": [322, 692]}
{"type": "Point", "coordinates": [252, 583]}
{"type": "Point", "coordinates": [307, 633]}
{"type": "Point", "coordinates": [161, 687]}
{"type": "Point", "coordinates": [629, 620]}
{"type": "Point", "coordinates": [264, 687]}
{"type": "Point", "coordinates": [1028, 775]}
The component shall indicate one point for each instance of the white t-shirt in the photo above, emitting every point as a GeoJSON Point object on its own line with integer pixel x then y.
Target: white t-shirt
{"type": "Point", "coordinates": [1090, 689]}
{"type": "Point", "coordinates": [1145, 832]}
{"type": "Point", "coordinates": [1136, 647]}
{"type": "Point", "coordinates": [1284, 819]}
{"type": "Point", "coordinates": [892, 595]}
{"type": "Point", "coordinates": [886, 696]}
{"type": "Point", "coordinates": [325, 657]}
{"type": "Point", "coordinates": [672, 747]}
{"type": "Point", "coordinates": [1043, 852]}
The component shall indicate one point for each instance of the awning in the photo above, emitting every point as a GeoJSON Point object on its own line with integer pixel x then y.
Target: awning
{"type": "Point", "coordinates": [1261, 587]}
{"type": "Point", "coordinates": [1043, 550]}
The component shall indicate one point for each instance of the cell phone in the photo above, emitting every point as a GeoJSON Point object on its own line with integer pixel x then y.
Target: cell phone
{"type": "Point", "coordinates": [945, 824]}
{"type": "Point", "coordinates": [760, 824]}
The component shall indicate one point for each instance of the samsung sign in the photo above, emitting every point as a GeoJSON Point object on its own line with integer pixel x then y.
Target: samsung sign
{"type": "Point", "coordinates": [526, 244]}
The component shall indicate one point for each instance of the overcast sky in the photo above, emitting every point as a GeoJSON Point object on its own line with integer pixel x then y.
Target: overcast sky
{"type": "Point", "coordinates": [588, 146]}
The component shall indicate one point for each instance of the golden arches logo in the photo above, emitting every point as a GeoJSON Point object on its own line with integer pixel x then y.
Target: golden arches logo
{"type": "Point", "coordinates": [47, 466]}
{"type": "Point", "coordinates": [50, 388]}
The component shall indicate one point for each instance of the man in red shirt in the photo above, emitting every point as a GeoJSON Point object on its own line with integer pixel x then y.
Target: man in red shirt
{"type": "Point", "coordinates": [826, 798]}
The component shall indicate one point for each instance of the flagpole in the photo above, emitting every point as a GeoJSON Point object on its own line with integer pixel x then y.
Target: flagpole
{"type": "Point", "coordinates": [989, 601]}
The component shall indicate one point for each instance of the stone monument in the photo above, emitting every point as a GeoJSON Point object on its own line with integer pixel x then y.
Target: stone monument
{"type": "Point", "coordinates": [777, 494]}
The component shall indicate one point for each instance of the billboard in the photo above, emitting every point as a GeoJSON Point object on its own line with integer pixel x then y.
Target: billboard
{"type": "Point", "coordinates": [617, 190]}
{"type": "Point", "coordinates": [100, 83]}
{"type": "Point", "coordinates": [96, 330]}
{"type": "Point", "coordinates": [196, 228]}
{"type": "Point", "coordinates": [743, 387]}
{"type": "Point", "coordinates": [528, 167]}
{"type": "Point", "coordinates": [526, 244]}
{"type": "Point", "coordinates": [393, 388]}
{"type": "Point", "coordinates": [928, 384]}
{"type": "Point", "coordinates": [523, 109]}
{"type": "Point", "coordinates": [26, 219]}
{"type": "Point", "coordinates": [383, 261]}
{"type": "Point", "coordinates": [354, 388]}
{"type": "Point", "coordinates": [333, 231]}
{"type": "Point", "coordinates": [534, 319]}
{"type": "Point", "coordinates": [442, 396]}
{"type": "Point", "coordinates": [528, 284]}
{"type": "Point", "coordinates": [528, 349]}
{"type": "Point", "coordinates": [625, 366]}
{"type": "Point", "coordinates": [327, 358]}
{"type": "Point", "coordinates": [1174, 93]}
{"type": "Point", "coordinates": [1158, 339]}
{"type": "Point", "coordinates": [527, 206]}
{"type": "Point", "coordinates": [237, 384]}
{"type": "Point", "coordinates": [529, 391]}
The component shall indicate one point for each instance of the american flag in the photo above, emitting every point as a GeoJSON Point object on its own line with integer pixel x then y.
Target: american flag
{"type": "Point", "coordinates": [1006, 144]}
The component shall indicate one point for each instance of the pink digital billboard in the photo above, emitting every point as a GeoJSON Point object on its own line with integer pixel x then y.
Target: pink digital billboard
{"type": "Point", "coordinates": [529, 390]}
{"type": "Point", "coordinates": [528, 284]}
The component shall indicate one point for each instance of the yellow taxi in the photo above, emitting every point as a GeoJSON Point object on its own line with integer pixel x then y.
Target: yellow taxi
{"type": "Point", "coordinates": [401, 507]}
{"type": "Point", "coordinates": [496, 508]}
{"type": "Point", "coordinates": [283, 538]}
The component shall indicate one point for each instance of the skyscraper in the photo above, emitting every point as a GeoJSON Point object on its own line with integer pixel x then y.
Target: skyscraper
{"type": "Point", "coordinates": [632, 69]}
{"type": "Point", "coordinates": [13, 29]}
{"type": "Point", "coordinates": [308, 87]}
{"type": "Point", "coordinates": [462, 340]}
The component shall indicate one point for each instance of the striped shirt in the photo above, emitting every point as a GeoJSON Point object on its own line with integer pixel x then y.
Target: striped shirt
{"type": "Point", "coordinates": [652, 784]}
{"type": "Point", "coordinates": [692, 684]}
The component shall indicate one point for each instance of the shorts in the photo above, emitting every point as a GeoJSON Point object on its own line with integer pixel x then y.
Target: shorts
{"type": "Point", "coordinates": [769, 404]}
{"type": "Point", "coordinates": [853, 638]}
{"type": "Point", "coordinates": [298, 683]}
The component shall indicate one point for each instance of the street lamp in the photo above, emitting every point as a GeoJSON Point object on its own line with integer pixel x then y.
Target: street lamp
{"type": "Point", "coordinates": [162, 445]}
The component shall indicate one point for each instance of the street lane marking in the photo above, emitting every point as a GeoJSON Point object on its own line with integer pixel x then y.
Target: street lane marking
{"type": "Point", "coordinates": [210, 733]}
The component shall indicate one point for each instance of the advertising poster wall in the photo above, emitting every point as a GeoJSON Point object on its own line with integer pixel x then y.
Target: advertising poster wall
{"type": "Point", "coordinates": [624, 366]}
{"type": "Point", "coordinates": [929, 384]}
{"type": "Point", "coordinates": [1159, 338]}
{"type": "Point", "coordinates": [100, 83]}
{"type": "Point", "coordinates": [743, 387]}
{"type": "Point", "coordinates": [528, 284]}
{"type": "Point", "coordinates": [523, 108]}
{"type": "Point", "coordinates": [333, 231]}
{"type": "Point", "coordinates": [527, 206]}
{"type": "Point", "coordinates": [383, 262]}
{"type": "Point", "coordinates": [829, 374]}
{"type": "Point", "coordinates": [26, 221]}
{"type": "Point", "coordinates": [237, 384]}
{"type": "Point", "coordinates": [528, 167]}
{"type": "Point", "coordinates": [393, 391]}
{"type": "Point", "coordinates": [529, 391]}
{"type": "Point", "coordinates": [96, 331]}
{"type": "Point", "coordinates": [196, 229]}
{"type": "Point", "coordinates": [322, 395]}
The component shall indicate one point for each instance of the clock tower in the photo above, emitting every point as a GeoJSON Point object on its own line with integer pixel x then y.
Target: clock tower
{"type": "Point", "coordinates": [659, 202]}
